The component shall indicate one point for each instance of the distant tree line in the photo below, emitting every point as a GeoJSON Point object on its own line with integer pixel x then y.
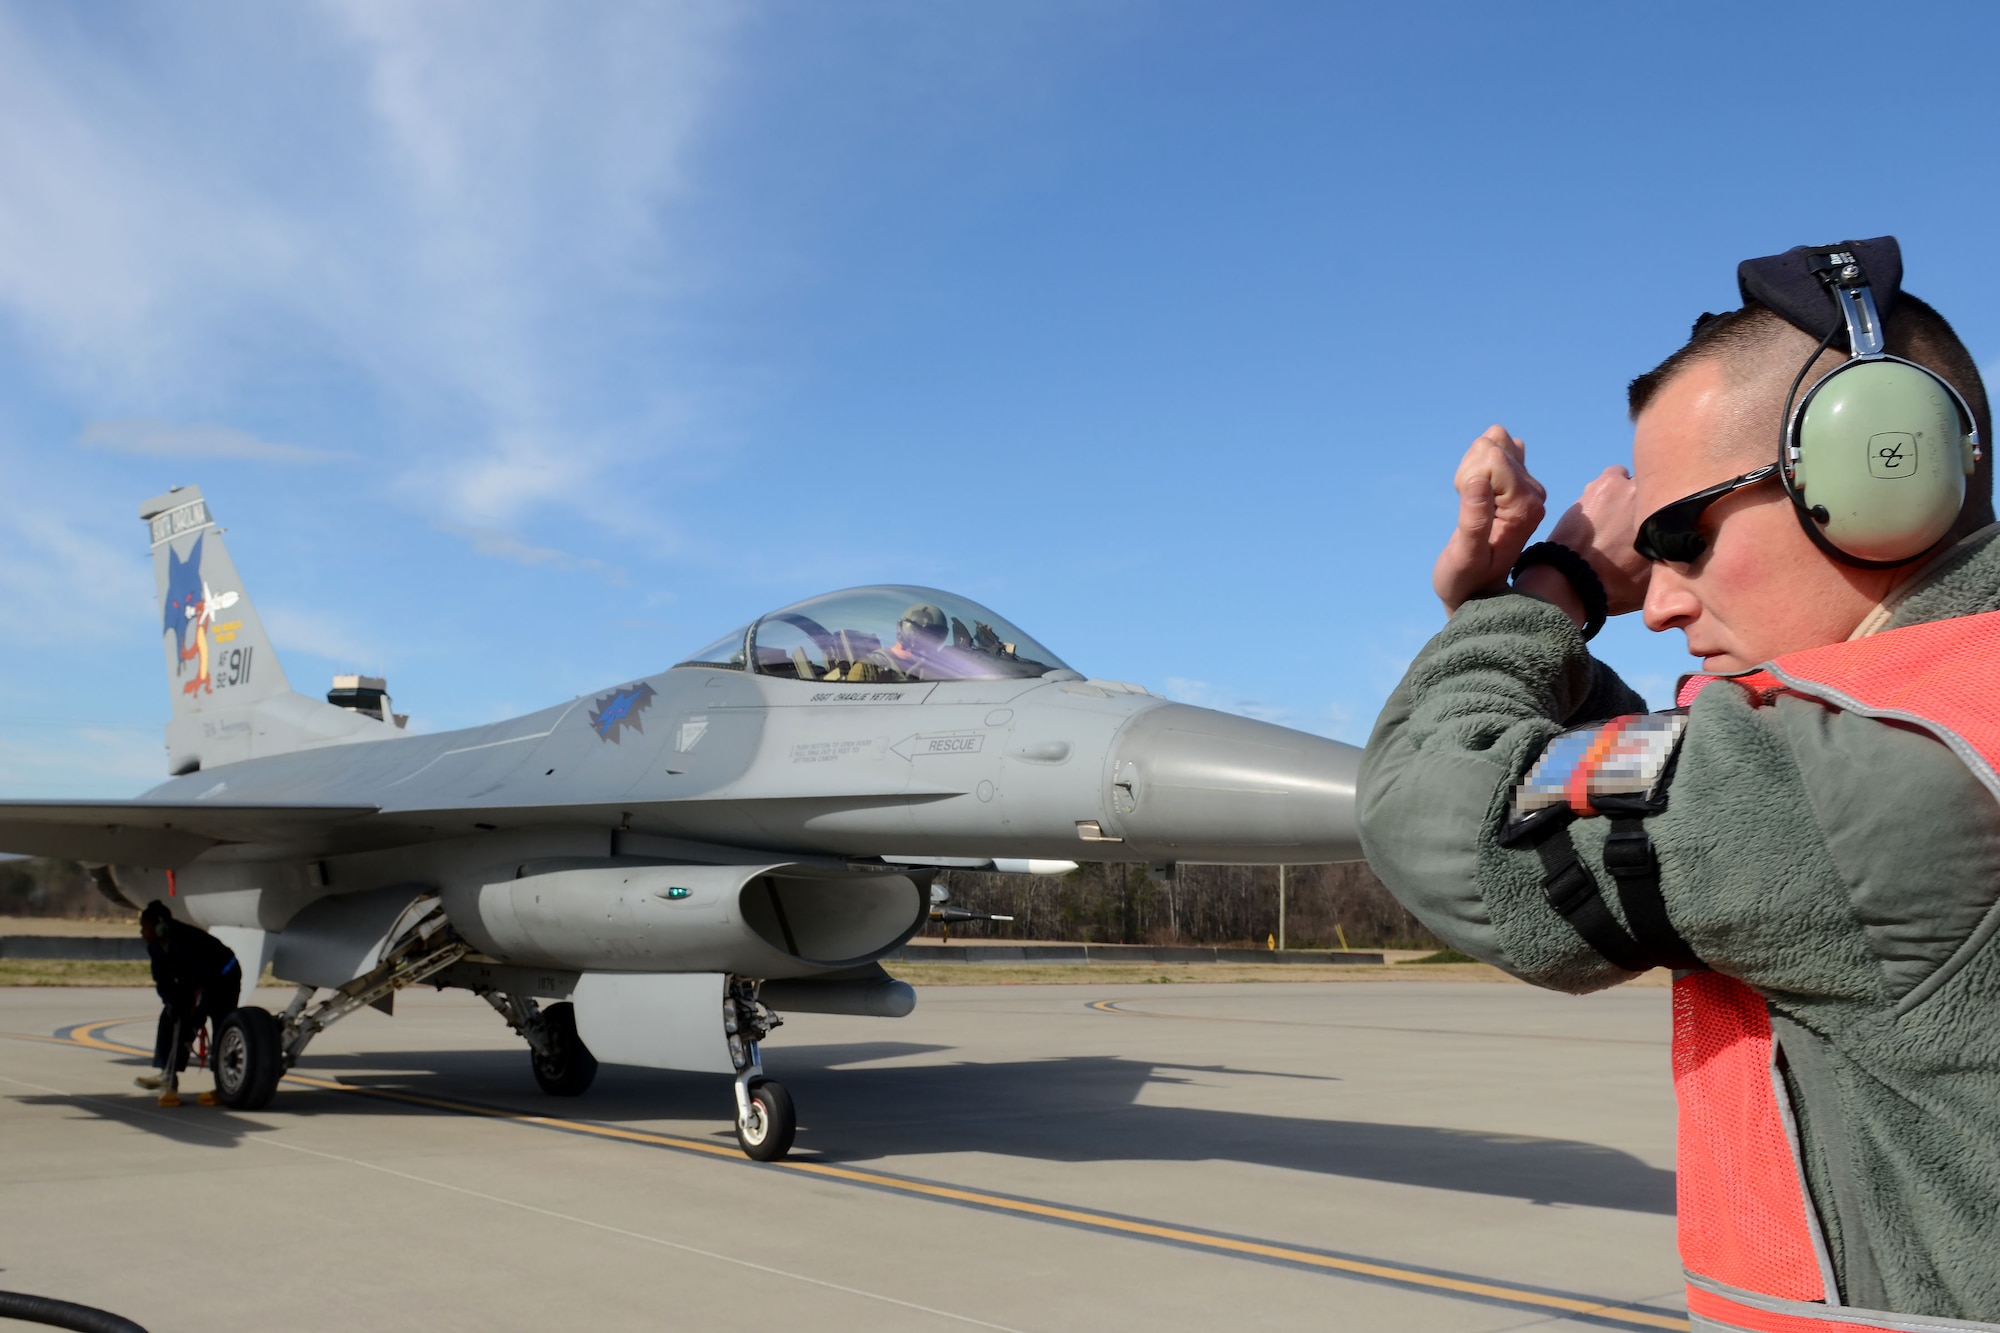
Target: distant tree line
{"type": "Point", "coordinates": [1194, 904]}
{"type": "Point", "coordinates": [39, 886]}
{"type": "Point", "coordinates": [1098, 904]}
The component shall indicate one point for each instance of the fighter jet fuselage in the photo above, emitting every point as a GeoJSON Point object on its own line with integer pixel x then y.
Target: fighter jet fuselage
{"type": "Point", "coordinates": [701, 762]}
{"type": "Point", "coordinates": [771, 810]}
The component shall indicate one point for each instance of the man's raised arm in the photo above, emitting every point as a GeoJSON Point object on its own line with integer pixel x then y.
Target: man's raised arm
{"type": "Point", "coordinates": [1508, 673]}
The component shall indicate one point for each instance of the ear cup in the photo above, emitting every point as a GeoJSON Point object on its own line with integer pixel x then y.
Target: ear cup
{"type": "Point", "coordinates": [1878, 459]}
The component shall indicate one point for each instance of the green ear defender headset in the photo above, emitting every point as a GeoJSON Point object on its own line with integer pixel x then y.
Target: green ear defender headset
{"type": "Point", "coordinates": [1877, 452]}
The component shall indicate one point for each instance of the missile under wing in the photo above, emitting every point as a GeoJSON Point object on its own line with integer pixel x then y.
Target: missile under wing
{"type": "Point", "coordinates": [649, 873]}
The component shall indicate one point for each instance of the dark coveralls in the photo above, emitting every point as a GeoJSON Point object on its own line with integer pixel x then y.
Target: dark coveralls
{"type": "Point", "coordinates": [198, 979]}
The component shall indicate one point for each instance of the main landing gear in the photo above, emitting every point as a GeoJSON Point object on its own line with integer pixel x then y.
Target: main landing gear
{"type": "Point", "coordinates": [248, 1059]}
{"type": "Point", "coordinates": [563, 1065]}
{"type": "Point", "coordinates": [253, 1049]}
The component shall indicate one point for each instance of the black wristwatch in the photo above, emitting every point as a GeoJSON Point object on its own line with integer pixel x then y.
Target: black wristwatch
{"type": "Point", "coordinates": [1589, 588]}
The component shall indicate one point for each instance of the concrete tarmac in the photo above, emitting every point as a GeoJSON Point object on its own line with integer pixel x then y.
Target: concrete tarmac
{"type": "Point", "coordinates": [1404, 1155]}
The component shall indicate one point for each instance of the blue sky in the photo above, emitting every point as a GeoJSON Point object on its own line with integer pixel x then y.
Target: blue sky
{"type": "Point", "coordinates": [523, 348]}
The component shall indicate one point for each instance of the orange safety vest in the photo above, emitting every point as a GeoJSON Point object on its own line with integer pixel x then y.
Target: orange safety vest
{"type": "Point", "coordinates": [1750, 1241]}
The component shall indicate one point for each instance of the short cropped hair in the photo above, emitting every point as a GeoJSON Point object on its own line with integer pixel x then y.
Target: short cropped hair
{"type": "Point", "coordinates": [1915, 331]}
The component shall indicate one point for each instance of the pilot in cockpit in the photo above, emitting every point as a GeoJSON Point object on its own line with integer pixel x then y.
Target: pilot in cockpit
{"type": "Point", "coordinates": [917, 652]}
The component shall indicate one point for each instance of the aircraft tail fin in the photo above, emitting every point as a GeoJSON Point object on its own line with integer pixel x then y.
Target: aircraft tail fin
{"type": "Point", "coordinates": [231, 699]}
{"type": "Point", "coordinates": [218, 654]}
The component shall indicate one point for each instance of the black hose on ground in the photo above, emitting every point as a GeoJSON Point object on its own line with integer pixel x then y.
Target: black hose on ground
{"type": "Point", "coordinates": [63, 1314]}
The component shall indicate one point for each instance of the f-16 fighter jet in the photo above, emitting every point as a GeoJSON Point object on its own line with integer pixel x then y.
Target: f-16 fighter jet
{"type": "Point", "coordinates": [652, 874]}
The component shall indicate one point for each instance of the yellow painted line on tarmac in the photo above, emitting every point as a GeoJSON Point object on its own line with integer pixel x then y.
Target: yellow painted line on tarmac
{"type": "Point", "coordinates": [1258, 1249]}
{"type": "Point", "coordinates": [88, 1036]}
{"type": "Point", "coordinates": [524, 1118]}
{"type": "Point", "coordinates": [1115, 1007]}
{"type": "Point", "coordinates": [29, 1036]}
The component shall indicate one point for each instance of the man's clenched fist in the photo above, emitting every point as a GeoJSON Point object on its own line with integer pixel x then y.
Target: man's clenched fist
{"type": "Point", "coordinates": [1500, 504]}
{"type": "Point", "coordinates": [1601, 528]}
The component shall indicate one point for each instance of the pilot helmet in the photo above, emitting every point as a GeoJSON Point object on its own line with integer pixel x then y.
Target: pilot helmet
{"type": "Point", "coordinates": [921, 623]}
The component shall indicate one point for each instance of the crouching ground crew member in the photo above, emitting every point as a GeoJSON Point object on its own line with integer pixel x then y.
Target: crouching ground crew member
{"type": "Point", "coordinates": [1811, 840]}
{"type": "Point", "coordinates": [198, 979]}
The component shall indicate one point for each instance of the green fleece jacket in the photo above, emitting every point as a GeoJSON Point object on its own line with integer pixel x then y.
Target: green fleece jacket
{"type": "Point", "coordinates": [1846, 868]}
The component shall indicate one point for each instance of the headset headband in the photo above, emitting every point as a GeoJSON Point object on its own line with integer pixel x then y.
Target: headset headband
{"type": "Point", "coordinates": [1862, 278]}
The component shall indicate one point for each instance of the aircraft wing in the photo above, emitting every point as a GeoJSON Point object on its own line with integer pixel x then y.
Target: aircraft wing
{"type": "Point", "coordinates": [170, 835]}
{"type": "Point", "coordinates": [158, 833]}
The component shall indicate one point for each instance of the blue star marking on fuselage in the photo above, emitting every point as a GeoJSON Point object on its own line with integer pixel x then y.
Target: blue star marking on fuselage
{"type": "Point", "coordinates": [620, 709]}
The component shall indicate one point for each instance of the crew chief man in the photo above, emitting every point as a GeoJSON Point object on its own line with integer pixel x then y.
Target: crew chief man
{"type": "Point", "coordinates": [1812, 843]}
{"type": "Point", "coordinates": [198, 980]}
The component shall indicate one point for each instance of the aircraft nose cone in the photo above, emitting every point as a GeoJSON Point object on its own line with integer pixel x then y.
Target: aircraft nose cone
{"type": "Point", "coordinates": [1191, 784]}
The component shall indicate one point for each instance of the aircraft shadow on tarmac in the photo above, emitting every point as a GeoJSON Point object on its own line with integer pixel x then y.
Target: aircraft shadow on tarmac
{"type": "Point", "coordinates": [192, 1126]}
{"type": "Point", "coordinates": [1074, 1109]}
{"type": "Point", "coordinates": [1087, 1108]}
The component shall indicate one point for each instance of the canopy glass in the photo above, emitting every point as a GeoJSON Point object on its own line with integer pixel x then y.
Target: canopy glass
{"type": "Point", "coordinates": [883, 634]}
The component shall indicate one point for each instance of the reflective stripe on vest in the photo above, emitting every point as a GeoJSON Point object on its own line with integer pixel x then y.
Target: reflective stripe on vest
{"type": "Point", "coordinates": [1749, 1237]}
{"type": "Point", "coordinates": [1714, 1308]}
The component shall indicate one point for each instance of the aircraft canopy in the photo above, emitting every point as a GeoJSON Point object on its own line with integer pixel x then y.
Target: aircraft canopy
{"type": "Point", "coordinates": [883, 634]}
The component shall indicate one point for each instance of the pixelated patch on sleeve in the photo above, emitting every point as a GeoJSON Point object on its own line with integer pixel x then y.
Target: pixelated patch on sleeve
{"type": "Point", "coordinates": [1626, 756]}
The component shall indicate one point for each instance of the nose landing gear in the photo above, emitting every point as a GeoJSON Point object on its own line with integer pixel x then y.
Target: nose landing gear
{"type": "Point", "coordinates": [765, 1120]}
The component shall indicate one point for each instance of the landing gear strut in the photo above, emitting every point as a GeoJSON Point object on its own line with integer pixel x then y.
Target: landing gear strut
{"type": "Point", "coordinates": [765, 1120]}
{"type": "Point", "coordinates": [253, 1049]}
{"type": "Point", "coordinates": [563, 1065]}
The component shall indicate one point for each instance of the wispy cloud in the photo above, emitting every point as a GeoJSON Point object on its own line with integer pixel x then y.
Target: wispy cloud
{"type": "Point", "coordinates": [108, 233]}
{"type": "Point", "coordinates": [320, 634]}
{"type": "Point", "coordinates": [506, 546]}
{"type": "Point", "coordinates": [539, 162]}
{"type": "Point", "coordinates": [450, 211]}
{"type": "Point", "coordinates": [81, 761]}
{"type": "Point", "coordinates": [63, 583]}
{"type": "Point", "coordinates": [157, 439]}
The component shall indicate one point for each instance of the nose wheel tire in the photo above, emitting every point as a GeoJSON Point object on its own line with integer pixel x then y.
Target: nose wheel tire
{"type": "Point", "coordinates": [568, 1067]}
{"type": "Point", "coordinates": [766, 1135]}
{"type": "Point", "coordinates": [247, 1059]}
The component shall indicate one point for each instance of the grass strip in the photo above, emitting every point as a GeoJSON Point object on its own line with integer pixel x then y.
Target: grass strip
{"type": "Point", "coordinates": [85, 972]}
{"type": "Point", "coordinates": [73, 972]}
{"type": "Point", "coordinates": [1127, 974]}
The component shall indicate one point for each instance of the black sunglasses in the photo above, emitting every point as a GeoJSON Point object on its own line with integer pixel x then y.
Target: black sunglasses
{"type": "Point", "coordinates": [1673, 532]}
